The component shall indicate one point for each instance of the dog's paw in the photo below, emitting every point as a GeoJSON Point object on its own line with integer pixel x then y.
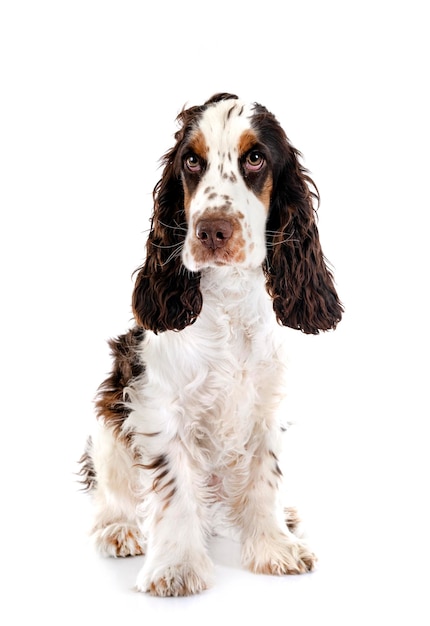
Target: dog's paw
{"type": "Point", "coordinates": [118, 539]}
{"type": "Point", "coordinates": [283, 554]}
{"type": "Point", "coordinates": [181, 579]}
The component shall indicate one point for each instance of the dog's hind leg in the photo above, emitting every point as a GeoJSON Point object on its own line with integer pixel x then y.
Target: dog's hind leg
{"type": "Point", "coordinates": [108, 471]}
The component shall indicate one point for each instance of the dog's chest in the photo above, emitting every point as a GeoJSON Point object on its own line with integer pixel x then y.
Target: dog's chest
{"type": "Point", "coordinates": [218, 379]}
{"type": "Point", "coordinates": [231, 386]}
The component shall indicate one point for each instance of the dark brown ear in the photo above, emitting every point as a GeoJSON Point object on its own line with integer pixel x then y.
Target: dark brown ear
{"type": "Point", "coordinates": [166, 295]}
{"type": "Point", "coordinates": [302, 288]}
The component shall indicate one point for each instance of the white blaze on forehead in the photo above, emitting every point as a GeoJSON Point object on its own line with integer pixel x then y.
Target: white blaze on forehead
{"type": "Point", "coordinates": [221, 138]}
{"type": "Point", "coordinates": [223, 124]}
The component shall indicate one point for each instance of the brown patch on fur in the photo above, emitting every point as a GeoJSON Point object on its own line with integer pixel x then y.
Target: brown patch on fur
{"type": "Point", "coordinates": [187, 200]}
{"type": "Point", "coordinates": [265, 194]}
{"type": "Point", "coordinates": [184, 582]}
{"type": "Point", "coordinates": [158, 479]}
{"type": "Point", "coordinates": [127, 366]}
{"type": "Point", "coordinates": [157, 463]}
{"type": "Point", "coordinates": [167, 499]}
{"type": "Point", "coordinates": [124, 544]}
{"type": "Point", "coordinates": [276, 470]}
{"type": "Point", "coordinates": [160, 588]}
{"type": "Point", "coordinates": [198, 145]}
{"type": "Point", "coordinates": [306, 563]}
{"type": "Point", "coordinates": [231, 177]}
{"type": "Point", "coordinates": [160, 467]}
{"type": "Point", "coordinates": [247, 140]}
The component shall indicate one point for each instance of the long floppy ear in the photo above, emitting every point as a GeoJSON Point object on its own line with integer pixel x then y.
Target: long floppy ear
{"type": "Point", "coordinates": [297, 277]}
{"type": "Point", "coordinates": [166, 295]}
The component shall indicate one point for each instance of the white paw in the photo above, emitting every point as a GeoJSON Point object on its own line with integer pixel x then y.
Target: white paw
{"type": "Point", "coordinates": [175, 579]}
{"type": "Point", "coordinates": [119, 539]}
{"type": "Point", "coordinates": [279, 554]}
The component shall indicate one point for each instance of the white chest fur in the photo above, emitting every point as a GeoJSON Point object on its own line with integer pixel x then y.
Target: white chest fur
{"type": "Point", "coordinates": [219, 379]}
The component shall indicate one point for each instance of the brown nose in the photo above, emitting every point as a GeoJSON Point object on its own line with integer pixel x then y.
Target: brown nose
{"type": "Point", "coordinates": [214, 233]}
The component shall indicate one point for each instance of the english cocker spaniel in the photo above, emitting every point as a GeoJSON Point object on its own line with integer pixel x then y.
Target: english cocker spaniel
{"type": "Point", "coordinates": [187, 419]}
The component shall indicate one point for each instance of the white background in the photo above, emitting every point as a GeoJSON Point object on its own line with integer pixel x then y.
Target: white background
{"type": "Point", "coordinates": [90, 91]}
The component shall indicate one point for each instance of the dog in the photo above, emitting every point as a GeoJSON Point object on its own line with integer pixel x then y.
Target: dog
{"type": "Point", "coordinates": [188, 418]}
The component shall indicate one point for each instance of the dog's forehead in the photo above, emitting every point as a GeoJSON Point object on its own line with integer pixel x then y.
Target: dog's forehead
{"type": "Point", "coordinates": [224, 123]}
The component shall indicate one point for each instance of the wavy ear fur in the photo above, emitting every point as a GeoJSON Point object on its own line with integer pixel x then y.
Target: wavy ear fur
{"type": "Point", "coordinates": [166, 296]}
{"type": "Point", "coordinates": [297, 277]}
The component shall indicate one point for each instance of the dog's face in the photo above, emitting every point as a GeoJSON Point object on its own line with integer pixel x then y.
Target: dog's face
{"type": "Point", "coordinates": [227, 181]}
{"type": "Point", "coordinates": [234, 193]}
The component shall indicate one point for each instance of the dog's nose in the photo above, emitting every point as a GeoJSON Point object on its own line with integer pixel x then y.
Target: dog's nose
{"type": "Point", "coordinates": [214, 233]}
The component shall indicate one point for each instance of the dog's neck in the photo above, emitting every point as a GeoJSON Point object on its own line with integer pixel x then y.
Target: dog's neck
{"type": "Point", "coordinates": [230, 279]}
{"type": "Point", "coordinates": [236, 293]}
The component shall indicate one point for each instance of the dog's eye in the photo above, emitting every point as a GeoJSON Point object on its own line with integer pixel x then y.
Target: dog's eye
{"type": "Point", "coordinates": [254, 161]}
{"type": "Point", "coordinates": [193, 163]}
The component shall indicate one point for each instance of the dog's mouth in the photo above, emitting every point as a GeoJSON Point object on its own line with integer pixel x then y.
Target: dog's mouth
{"type": "Point", "coordinates": [207, 257]}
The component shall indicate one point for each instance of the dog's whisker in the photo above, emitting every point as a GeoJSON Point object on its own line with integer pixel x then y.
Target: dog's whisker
{"type": "Point", "coordinates": [287, 238]}
{"type": "Point", "coordinates": [173, 255]}
{"type": "Point", "coordinates": [164, 247]}
{"type": "Point", "coordinates": [272, 244]}
{"type": "Point", "coordinates": [174, 226]}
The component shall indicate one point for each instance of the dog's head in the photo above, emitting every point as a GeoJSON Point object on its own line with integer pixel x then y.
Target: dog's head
{"type": "Point", "coordinates": [233, 192]}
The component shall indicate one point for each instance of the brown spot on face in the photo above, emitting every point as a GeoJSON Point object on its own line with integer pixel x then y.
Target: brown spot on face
{"type": "Point", "coordinates": [247, 140]}
{"type": "Point", "coordinates": [187, 200]}
{"type": "Point", "coordinates": [197, 144]}
{"type": "Point", "coordinates": [261, 182]}
{"type": "Point", "coordinates": [265, 194]}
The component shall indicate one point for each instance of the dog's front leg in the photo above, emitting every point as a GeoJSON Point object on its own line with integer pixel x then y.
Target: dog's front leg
{"type": "Point", "coordinates": [268, 545]}
{"type": "Point", "coordinates": [174, 515]}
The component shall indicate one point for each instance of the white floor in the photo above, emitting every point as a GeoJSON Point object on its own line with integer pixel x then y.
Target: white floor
{"type": "Point", "coordinates": [87, 108]}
